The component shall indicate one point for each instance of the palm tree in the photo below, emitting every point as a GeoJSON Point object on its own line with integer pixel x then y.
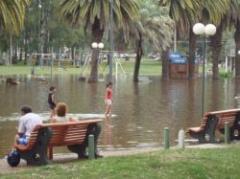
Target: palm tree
{"type": "Point", "coordinates": [234, 19]}
{"type": "Point", "coordinates": [186, 12]}
{"type": "Point", "coordinates": [96, 15]}
{"type": "Point", "coordinates": [158, 31]}
{"type": "Point", "coordinates": [237, 42]}
{"type": "Point", "coordinates": [217, 14]}
{"type": "Point", "coordinates": [153, 28]}
{"type": "Point", "coordinates": [12, 14]}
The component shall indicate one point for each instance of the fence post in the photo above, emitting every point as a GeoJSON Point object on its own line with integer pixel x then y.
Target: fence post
{"type": "Point", "coordinates": [166, 138]}
{"type": "Point", "coordinates": [91, 152]}
{"type": "Point", "coordinates": [226, 133]}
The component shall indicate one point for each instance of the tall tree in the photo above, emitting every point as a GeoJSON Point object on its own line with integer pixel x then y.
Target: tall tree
{"type": "Point", "coordinates": [12, 14]}
{"type": "Point", "coordinates": [153, 27]}
{"type": "Point", "coordinates": [186, 12]}
{"type": "Point", "coordinates": [217, 14]}
{"type": "Point", "coordinates": [95, 15]}
{"type": "Point", "coordinates": [233, 20]}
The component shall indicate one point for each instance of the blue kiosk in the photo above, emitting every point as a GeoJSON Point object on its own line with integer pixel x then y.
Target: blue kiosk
{"type": "Point", "coordinates": [178, 66]}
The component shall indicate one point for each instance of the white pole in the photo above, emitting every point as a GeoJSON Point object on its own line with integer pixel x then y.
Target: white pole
{"type": "Point", "coordinates": [181, 137]}
{"type": "Point", "coordinates": [175, 38]}
{"type": "Point", "coordinates": [116, 71]}
{"type": "Point", "coordinates": [226, 64]}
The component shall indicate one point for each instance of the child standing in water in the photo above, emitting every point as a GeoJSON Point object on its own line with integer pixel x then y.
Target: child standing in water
{"type": "Point", "coordinates": [108, 99]}
{"type": "Point", "coordinates": [51, 100]}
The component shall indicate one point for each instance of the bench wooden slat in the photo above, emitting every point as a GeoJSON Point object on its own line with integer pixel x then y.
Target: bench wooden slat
{"type": "Point", "coordinates": [224, 111]}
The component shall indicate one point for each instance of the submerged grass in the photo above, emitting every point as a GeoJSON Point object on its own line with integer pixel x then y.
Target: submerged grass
{"type": "Point", "coordinates": [181, 164]}
{"type": "Point", "coordinates": [148, 67]}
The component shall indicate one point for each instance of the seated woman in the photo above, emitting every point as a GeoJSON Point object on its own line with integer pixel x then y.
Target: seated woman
{"type": "Point", "coordinates": [61, 114]}
{"type": "Point", "coordinates": [61, 111]}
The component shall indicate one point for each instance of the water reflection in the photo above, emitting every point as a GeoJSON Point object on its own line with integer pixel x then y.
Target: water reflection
{"type": "Point", "coordinates": [142, 109]}
{"type": "Point", "coordinates": [107, 136]}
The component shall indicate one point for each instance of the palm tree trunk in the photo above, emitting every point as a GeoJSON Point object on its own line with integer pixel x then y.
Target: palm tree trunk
{"type": "Point", "coordinates": [165, 65]}
{"type": "Point", "coordinates": [10, 49]}
{"type": "Point", "coordinates": [237, 55]}
{"type": "Point", "coordinates": [97, 33]}
{"type": "Point", "coordinates": [139, 53]}
{"type": "Point", "coordinates": [25, 47]}
{"type": "Point", "coordinates": [216, 45]}
{"type": "Point", "coordinates": [192, 49]}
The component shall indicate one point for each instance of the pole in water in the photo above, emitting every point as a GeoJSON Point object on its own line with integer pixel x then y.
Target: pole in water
{"type": "Point", "coordinates": [181, 139]}
{"type": "Point", "coordinates": [91, 148]}
{"type": "Point", "coordinates": [226, 133]}
{"type": "Point", "coordinates": [166, 138]}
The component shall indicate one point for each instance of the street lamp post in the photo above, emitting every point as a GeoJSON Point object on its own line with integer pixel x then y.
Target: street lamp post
{"type": "Point", "coordinates": [111, 41]}
{"type": "Point", "coordinates": [97, 46]}
{"type": "Point", "coordinates": [206, 31]}
{"type": "Point", "coordinates": [39, 54]}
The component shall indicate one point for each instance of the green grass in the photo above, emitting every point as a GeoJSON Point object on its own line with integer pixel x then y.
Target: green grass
{"type": "Point", "coordinates": [148, 67]}
{"type": "Point", "coordinates": [190, 163]}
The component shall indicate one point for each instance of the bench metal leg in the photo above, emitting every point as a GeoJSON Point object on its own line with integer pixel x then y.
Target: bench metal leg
{"type": "Point", "coordinates": [80, 149]}
{"type": "Point", "coordinates": [235, 129]}
{"type": "Point", "coordinates": [208, 134]}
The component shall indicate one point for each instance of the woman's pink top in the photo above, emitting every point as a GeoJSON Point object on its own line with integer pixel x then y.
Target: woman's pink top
{"type": "Point", "coordinates": [108, 94]}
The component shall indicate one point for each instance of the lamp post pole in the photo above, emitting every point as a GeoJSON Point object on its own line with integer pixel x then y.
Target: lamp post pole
{"type": "Point", "coordinates": [39, 55]}
{"type": "Point", "coordinates": [97, 46]}
{"type": "Point", "coordinates": [111, 42]}
{"type": "Point", "coordinates": [208, 30]}
{"type": "Point", "coordinates": [203, 73]}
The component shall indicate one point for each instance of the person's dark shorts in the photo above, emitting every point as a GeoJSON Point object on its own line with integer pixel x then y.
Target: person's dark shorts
{"type": "Point", "coordinates": [52, 106]}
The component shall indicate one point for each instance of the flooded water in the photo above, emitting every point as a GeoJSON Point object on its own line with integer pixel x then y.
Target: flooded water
{"type": "Point", "coordinates": [142, 110]}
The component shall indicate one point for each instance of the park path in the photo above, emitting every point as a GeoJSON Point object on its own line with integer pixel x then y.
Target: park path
{"type": "Point", "coordinates": [61, 158]}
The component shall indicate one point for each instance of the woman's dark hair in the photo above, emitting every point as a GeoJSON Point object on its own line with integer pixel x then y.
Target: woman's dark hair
{"type": "Point", "coordinates": [108, 84]}
{"type": "Point", "coordinates": [52, 88]}
{"type": "Point", "coordinates": [26, 109]}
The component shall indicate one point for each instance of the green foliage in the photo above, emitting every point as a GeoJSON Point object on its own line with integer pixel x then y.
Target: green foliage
{"type": "Point", "coordinates": [224, 74]}
{"type": "Point", "coordinates": [85, 12]}
{"type": "Point", "coordinates": [12, 14]}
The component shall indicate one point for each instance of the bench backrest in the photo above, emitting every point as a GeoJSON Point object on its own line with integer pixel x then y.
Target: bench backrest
{"type": "Point", "coordinates": [65, 133]}
{"type": "Point", "coordinates": [225, 116]}
{"type": "Point", "coordinates": [222, 116]}
{"type": "Point", "coordinates": [69, 133]}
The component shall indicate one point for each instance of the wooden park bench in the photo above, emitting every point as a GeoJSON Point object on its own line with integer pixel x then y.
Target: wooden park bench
{"type": "Point", "coordinates": [46, 136]}
{"type": "Point", "coordinates": [215, 120]}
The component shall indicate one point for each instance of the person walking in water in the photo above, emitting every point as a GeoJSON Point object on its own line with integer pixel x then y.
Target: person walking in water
{"type": "Point", "coordinates": [108, 99]}
{"type": "Point", "coordinates": [51, 100]}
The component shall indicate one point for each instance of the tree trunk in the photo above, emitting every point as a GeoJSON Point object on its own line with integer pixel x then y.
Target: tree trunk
{"type": "Point", "coordinates": [25, 48]}
{"type": "Point", "coordinates": [139, 52]}
{"type": "Point", "coordinates": [10, 49]}
{"type": "Point", "coordinates": [97, 33]}
{"type": "Point", "coordinates": [165, 65]}
{"type": "Point", "coordinates": [192, 50]}
{"type": "Point", "coordinates": [216, 44]}
{"type": "Point", "coordinates": [237, 55]}
{"type": "Point", "coordinates": [21, 54]}
{"type": "Point", "coordinates": [73, 56]}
